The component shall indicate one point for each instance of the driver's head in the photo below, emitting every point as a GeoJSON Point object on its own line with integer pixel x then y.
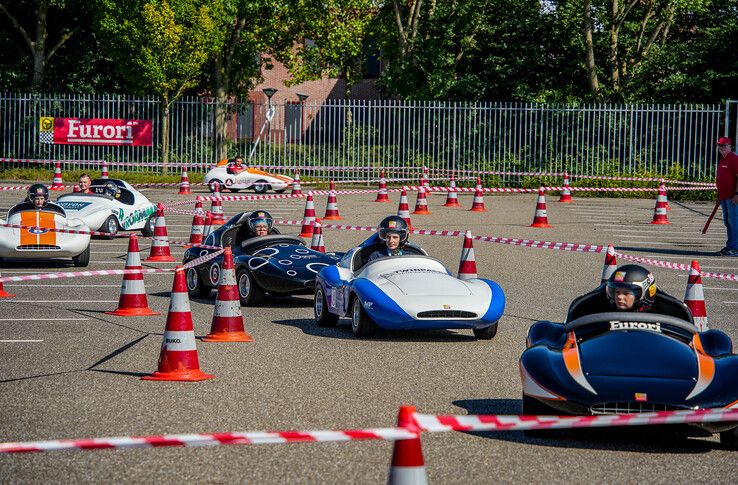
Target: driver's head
{"type": "Point", "coordinates": [238, 160]}
{"type": "Point", "coordinates": [631, 288]}
{"type": "Point", "coordinates": [38, 194]}
{"type": "Point", "coordinates": [393, 231]}
{"type": "Point", "coordinates": [112, 189]}
{"type": "Point", "coordinates": [261, 223]}
{"type": "Point", "coordinates": [84, 182]}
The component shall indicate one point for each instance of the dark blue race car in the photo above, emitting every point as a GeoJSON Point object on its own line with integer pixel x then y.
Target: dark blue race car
{"type": "Point", "coordinates": [629, 362]}
{"type": "Point", "coordinates": [277, 264]}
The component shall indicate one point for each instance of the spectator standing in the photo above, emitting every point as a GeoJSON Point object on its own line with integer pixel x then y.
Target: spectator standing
{"type": "Point", "coordinates": [726, 180]}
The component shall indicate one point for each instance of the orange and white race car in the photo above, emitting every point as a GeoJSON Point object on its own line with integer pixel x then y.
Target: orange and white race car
{"type": "Point", "coordinates": [235, 179]}
{"type": "Point", "coordinates": [38, 240]}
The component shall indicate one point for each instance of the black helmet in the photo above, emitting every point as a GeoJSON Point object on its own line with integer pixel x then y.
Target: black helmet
{"type": "Point", "coordinates": [636, 279]}
{"type": "Point", "coordinates": [111, 189]}
{"type": "Point", "coordinates": [396, 225]}
{"type": "Point", "coordinates": [260, 217]}
{"type": "Point", "coordinates": [36, 190]}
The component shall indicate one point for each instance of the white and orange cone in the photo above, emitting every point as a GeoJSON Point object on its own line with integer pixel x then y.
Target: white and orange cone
{"type": "Point", "coordinates": [566, 193]}
{"type": "Point", "coordinates": [184, 183]}
{"type": "Point", "coordinates": [198, 224]}
{"type": "Point", "coordinates": [178, 359]}
{"type": "Point", "coordinates": [160, 242]}
{"type": "Point", "coordinates": [424, 182]}
{"type": "Point", "coordinates": [57, 183]}
{"type": "Point", "coordinates": [610, 264]}
{"type": "Point", "coordinates": [408, 466]}
{"type": "Point", "coordinates": [540, 219]}
{"type": "Point", "coordinates": [331, 207]}
{"type": "Point", "coordinates": [403, 210]}
{"type": "Point", "coordinates": [296, 186]}
{"type": "Point", "coordinates": [452, 199]}
{"type": "Point", "coordinates": [216, 207]}
{"type": "Point", "coordinates": [478, 202]}
{"type": "Point", "coordinates": [208, 227]}
{"type": "Point", "coordinates": [421, 202]}
{"type": "Point", "coordinates": [133, 301]}
{"type": "Point", "coordinates": [467, 263]}
{"type": "Point", "coordinates": [382, 191]}
{"type": "Point", "coordinates": [104, 170]}
{"type": "Point", "coordinates": [317, 243]}
{"type": "Point", "coordinates": [331, 185]}
{"type": "Point", "coordinates": [227, 323]}
{"type": "Point", "coordinates": [3, 293]}
{"type": "Point", "coordinates": [668, 208]}
{"type": "Point", "coordinates": [479, 183]}
{"type": "Point", "coordinates": [659, 212]}
{"type": "Point", "coordinates": [308, 217]}
{"type": "Point", "coordinates": [694, 297]}
{"type": "Point", "coordinates": [75, 188]}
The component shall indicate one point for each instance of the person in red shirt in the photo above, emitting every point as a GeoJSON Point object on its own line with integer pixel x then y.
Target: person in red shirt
{"type": "Point", "coordinates": [726, 180]}
{"type": "Point", "coordinates": [236, 166]}
{"type": "Point", "coordinates": [84, 183]}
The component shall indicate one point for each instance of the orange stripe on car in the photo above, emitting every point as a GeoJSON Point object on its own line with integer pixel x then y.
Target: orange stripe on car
{"type": "Point", "coordinates": [573, 363]}
{"type": "Point", "coordinates": [705, 367]}
{"type": "Point", "coordinates": [40, 219]}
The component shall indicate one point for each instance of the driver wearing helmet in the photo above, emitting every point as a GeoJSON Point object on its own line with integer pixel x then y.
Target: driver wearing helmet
{"type": "Point", "coordinates": [631, 288]}
{"type": "Point", "coordinates": [38, 195]}
{"type": "Point", "coordinates": [260, 223]}
{"type": "Point", "coordinates": [393, 231]}
{"type": "Point", "coordinates": [112, 190]}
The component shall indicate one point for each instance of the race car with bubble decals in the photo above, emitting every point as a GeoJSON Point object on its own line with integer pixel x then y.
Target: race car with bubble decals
{"type": "Point", "coordinates": [38, 240]}
{"type": "Point", "coordinates": [408, 292]}
{"type": "Point", "coordinates": [245, 178]}
{"type": "Point", "coordinates": [275, 264]}
{"type": "Point", "coordinates": [112, 205]}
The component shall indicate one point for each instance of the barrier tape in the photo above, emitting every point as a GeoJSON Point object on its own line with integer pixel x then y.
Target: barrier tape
{"type": "Point", "coordinates": [679, 266]}
{"type": "Point", "coordinates": [415, 188]}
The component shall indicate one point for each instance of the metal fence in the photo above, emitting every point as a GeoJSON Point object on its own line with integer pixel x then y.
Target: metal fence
{"type": "Point", "coordinates": [399, 136]}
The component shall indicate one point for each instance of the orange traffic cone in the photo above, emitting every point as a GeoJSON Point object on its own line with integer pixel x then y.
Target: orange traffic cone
{"type": "Point", "coordinates": [382, 191]}
{"type": "Point", "coordinates": [75, 188]}
{"type": "Point", "coordinates": [408, 466]}
{"type": "Point", "coordinates": [317, 243]}
{"type": "Point", "coordinates": [331, 185]}
{"type": "Point", "coordinates": [540, 219]}
{"type": "Point", "coordinates": [184, 183]}
{"type": "Point", "coordinates": [133, 301]}
{"type": "Point", "coordinates": [58, 182]}
{"type": "Point", "coordinates": [208, 228]}
{"type": "Point", "coordinates": [216, 207]}
{"type": "Point", "coordinates": [104, 170]}
{"type": "Point", "coordinates": [694, 297]}
{"type": "Point", "coordinates": [424, 178]}
{"type": "Point", "coordinates": [479, 183]}
{"type": "Point", "coordinates": [467, 264]}
{"type": "Point", "coordinates": [566, 193]}
{"type": "Point", "coordinates": [331, 208]}
{"type": "Point", "coordinates": [308, 217]}
{"type": "Point", "coordinates": [421, 203]}
{"type": "Point", "coordinates": [452, 199]}
{"type": "Point", "coordinates": [659, 212]}
{"type": "Point", "coordinates": [160, 242]}
{"type": "Point", "coordinates": [198, 224]}
{"type": "Point", "coordinates": [3, 293]}
{"type": "Point", "coordinates": [610, 264]}
{"type": "Point", "coordinates": [178, 359]}
{"type": "Point", "coordinates": [478, 202]}
{"type": "Point", "coordinates": [227, 317]}
{"type": "Point", "coordinates": [403, 210]}
{"type": "Point", "coordinates": [668, 208]}
{"type": "Point", "coordinates": [296, 186]}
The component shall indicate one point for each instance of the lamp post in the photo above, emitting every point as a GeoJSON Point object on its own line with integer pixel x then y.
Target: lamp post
{"type": "Point", "coordinates": [269, 92]}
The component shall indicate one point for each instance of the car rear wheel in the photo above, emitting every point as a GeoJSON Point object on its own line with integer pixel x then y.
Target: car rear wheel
{"type": "Point", "coordinates": [148, 229]}
{"type": "Point", "coordinates": [195, 286]}
{"type": "Point", "coordinates": [486, 333]}
{"type": "Point", "coordinates": [110, 226]}
{"type": "Point", "coordinates": [361, 324]}
{"type": "Point", "coordinates": [323, 317]}
{"type": "Point", "coordinates": [729, 439]}
{"type": "Point", "coordinates": [534, 407]}
{"type": "Point", "coordinates": [249, 291]}
{"type": "Point", "coordinates": [211, 185]}
{"type": "Point", "coordinates": [82, 259]}
{"type": "Point", "coordinates": [261, 186]}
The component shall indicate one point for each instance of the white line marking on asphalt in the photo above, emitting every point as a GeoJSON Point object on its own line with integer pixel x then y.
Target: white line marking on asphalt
{"type": "Point", "coordinates": [43, 319]}
{"type": "Point", "coordinates": [19, 341]}
{"type": "Point", "coordinates": [731, 302]}
{"type": "Point", "coordinates": [719, 288]}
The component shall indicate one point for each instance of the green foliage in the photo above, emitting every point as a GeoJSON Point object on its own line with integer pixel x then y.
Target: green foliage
{"type": "Point", "coordinates": [45, 175]}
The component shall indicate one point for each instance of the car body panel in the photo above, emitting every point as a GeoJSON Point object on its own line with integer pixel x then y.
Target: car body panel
{"type": "Point", "coordinates": [246, 178]}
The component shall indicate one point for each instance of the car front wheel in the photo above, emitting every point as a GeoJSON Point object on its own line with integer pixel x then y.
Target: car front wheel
{"type": "Point", "coordinates": [195, 287]}
{"type": "Point", "coordinates": [729, 439]}
{"type": "Point", "coordinates": [323, 317]}
{"type": "Point", "coordinates": [110, 226]}
{"type": "Point", "coordinates": [361, 324]}
{"type": "Point", "coordinates": [249, 291]}
{"type": "Point", "coordinates": [148, 229]}
{"type": "Point", "coordinates": [261, 186]}
{"type": "Point", "coordinates": [211, 185]}
{"type": "Point", "coordinates": [82, 259]}
{"type": "Point", "coordinates": [486, 333]}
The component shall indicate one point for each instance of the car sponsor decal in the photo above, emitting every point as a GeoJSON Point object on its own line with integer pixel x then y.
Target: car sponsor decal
{"type": "Point", "coordinates": [73, 205]}
{"type": "Point", "coordinates": [412, 270]}
{"type": "Point", "coordinates": [641, 397]}
{"type": "Point", "coordinates": [651, 327]}
{"type": "Point", "coordinates": [215, 274]}
{"type": "Point", "coordinates": [40, 236]}
{"type": "Point", "coordinates": [136, 216]}
{"type": "Point", "coordinates": [229, 182]}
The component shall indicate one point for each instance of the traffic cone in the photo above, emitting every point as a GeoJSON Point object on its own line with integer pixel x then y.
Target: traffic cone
{"type": "Point", "coordinates": [308, 217]}
{"type": "Point", "coordinates": [424, 182]}
{"type": "Point", "coordinates": [160, 242]}
{"type": "Point", "coordinates": [198, 224]}
{"type": "Point", "coordinates": [540, 219]}
{"type": "Point", "coordinates": [178, 357]}
{"type": "Point", "coordinates": [104, 170]}
{"type": "Point", "coordinates": [296, 187]}
{"type": "Point", "coordinates": [216, 207]}
{"type": "Point", "coordinates": [421, 203]}
{"type": "Point", "coordinates": [58, 182]}
{"type": "Point", "coordinates": [407, 467]}
{"type": "Point", "coordinates": [227, 317]}
{"type": "Point", "coordinates": [133, 301]}
{"type": "Point", "coordinates": [184, 183]}
{"type": "Point", "coordinates": [3, 293]}
{"type": "Point", "coordinates": [566, 193]}
{"type": "Point", "coordinates": [331, 208]}
{"type": "Point", "coordinates": [610, 264]}
{"type": "Point", "coordinates": [478, 202]}
{"type": "Point", "coordinates": [467, 264]}
{"type": "Point", "coordinates": [659, 212]}
{"type": "Point", "coordinates": [331, 185]}
{"type": "Point", "coordinates": [75, 188]}
{"type": "Point", "coordinates": [668, 208]}
{"type": "Point", "coordinates": [694, 297]}
{"type": "Point", "coordinates": [317, 243]}
{"type": "Point", "coordinates": [382, 192]}
{"type": "Point", "coordinates": [403, 210]}
{"type": "Point", "coordinates": [208, 227]}
{"type": "Point", "coordinates": [452, 199]}
{"type": "Point", "coordinates": [479, 183]}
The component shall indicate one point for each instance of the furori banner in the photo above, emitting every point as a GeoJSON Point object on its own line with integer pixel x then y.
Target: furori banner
{"type": "Point", "coordinates": [94, 131]}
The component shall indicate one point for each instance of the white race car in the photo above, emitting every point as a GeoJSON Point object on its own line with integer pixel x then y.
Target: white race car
{"type": "Point", "coordinates": [111, 206]}
{"type": "Point", "coordinates": [41, 242]}
{"type": "Point", "coordinates": [248, 178]}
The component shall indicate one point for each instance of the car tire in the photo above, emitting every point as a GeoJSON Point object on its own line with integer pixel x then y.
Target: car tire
{"type": "Point", "coordinates": [281, 191]}
{"type": "Point", "coordinates": [249, 291]}
{"type": "Point", "coordinates": [361, 323]}
{"type": "Point", "coordinates": [212, 183]}
{"type": "Point", "coordinates": [260, 186]}
{"type": "Point", "coordinates": [235, 191]}
{"type": "Point", "coordinates": [82, 259]}
{"type": "Point", "coordinates": [148, 229]}
{"type": "Point", "coordinates": [323, 317]}
{"type": "Point", "coordinates": [110, 226]}
{"type": "Point", "coordinates": [485, 333]}
{"type": "Point", "coordinates": [534, 407]}
{"type": "Point", "coordinates": [195, 286]}
{"type": "Point", "coordinates": [729, 439]}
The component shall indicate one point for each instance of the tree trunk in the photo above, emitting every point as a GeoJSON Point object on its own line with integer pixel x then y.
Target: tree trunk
{"type": "Point", "coordinates": [38, 47]}
{"type": "Point", "coordinates": [164, 137]}
{"type": "Point", "coordinates": [594, 84]}
{"type": "Point", "coordinates": [614, 39]}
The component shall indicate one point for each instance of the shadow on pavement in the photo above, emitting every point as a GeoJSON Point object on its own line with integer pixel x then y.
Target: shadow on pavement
{"type": "Point", "coordinates": [673, 252]}
{"type": "Point", "coordinates": [343, 331]}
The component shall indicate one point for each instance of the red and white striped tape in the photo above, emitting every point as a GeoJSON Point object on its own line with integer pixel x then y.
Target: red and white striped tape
{"type": "Point", "coordinates": [679, 266]}
{"type": "Point", "coordinates": [546, 188]}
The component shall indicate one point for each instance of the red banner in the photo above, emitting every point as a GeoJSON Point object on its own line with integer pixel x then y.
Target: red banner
{"type": "Point", "coordinates": [99, 131]}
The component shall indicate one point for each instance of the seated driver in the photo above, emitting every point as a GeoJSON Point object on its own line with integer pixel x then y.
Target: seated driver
{"type": "Point", "coordinates": [112, 190]}
{"type": "Point", "coordinates": [631, 288]}
{"type": "Point", "coordinates": [394, 232]}
{"type": "Point", "coordinates": [38, 195]}
{"type": "Point", "coordinates": [260, 223]}
{"type": "Point", "coordinates": [236, 166]}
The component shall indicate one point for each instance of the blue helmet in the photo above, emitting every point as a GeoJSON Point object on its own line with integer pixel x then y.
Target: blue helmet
{"type": "Point", "coordinates": [260, 217]}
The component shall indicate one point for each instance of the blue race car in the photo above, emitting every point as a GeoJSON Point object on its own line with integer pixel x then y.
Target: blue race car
{"type": "Point", "coordinates": [277, 264]}
{"type": "Point", "coordinates": [629, 362]}
{"type": "Point", "coordinates": [412, 291]}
